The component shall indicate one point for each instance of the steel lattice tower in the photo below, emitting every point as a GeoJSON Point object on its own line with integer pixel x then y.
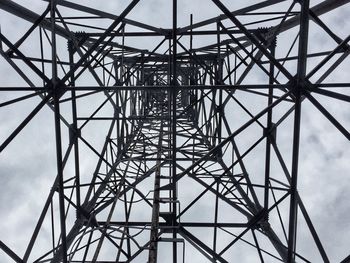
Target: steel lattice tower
{"type": "Point", "coordinates": [195, 147]}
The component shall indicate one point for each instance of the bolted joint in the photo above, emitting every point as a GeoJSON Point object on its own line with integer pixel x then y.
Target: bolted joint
{"type": "Point", "coordinates": [263, 223]}
{"type": "Point", "coordinates": [58, 88]}
{"type": "Point", "coordinates": [81, 37]}
{"type": "Point", "coordinates": [220, 109]}
{"type": "Point", "coordinates": [168, 33]}
{"type": "Point", "coordinates": [217, 154]}
{"type": "Point", "coordinates": [80, 34]}
{"type": "Point", "coordinates": [70, 46]}
{"type": "Point", "coordinates": [74, 133]}
{"type": "Point", "coordinates": [294, 86]}
{"type": "Point", "coordinates": [82, 214]}
{"type": "Point", "coordinates": [271, 131]}
{"type": "Point", "coordinates": [273, 43]}
{"type": "Point", "coordinates": [267, 36]}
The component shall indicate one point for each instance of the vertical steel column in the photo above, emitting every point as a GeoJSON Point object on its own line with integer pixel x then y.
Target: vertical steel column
{"type": "Point", "coordinates": [301, 72]}
{"type": "Point", "coordinates": [174, 93]}
{"type": "Point", "coordinates": [56, 96]}
{"type": "Point", "coordinates": [75, 132]}
{"type": "Point", "coordinates": [268, 130]}
{"type": "Point", "coordinates": [220, 109]}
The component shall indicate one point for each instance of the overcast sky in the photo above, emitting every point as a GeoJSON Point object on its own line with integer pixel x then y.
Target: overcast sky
{"type": "Point", "coordinates": [28, 164]}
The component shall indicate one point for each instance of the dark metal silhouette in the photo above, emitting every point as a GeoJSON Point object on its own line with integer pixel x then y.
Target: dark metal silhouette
{"type": "Point", "coordinates": [179, 131]}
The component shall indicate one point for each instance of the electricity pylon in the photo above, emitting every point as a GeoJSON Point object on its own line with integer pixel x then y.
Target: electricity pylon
{"type": "Point", "coordinates": [185, 135]}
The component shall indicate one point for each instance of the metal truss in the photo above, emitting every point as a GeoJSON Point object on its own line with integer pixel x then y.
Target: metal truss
{"type": "Point", "coordinates": [191, 163]}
